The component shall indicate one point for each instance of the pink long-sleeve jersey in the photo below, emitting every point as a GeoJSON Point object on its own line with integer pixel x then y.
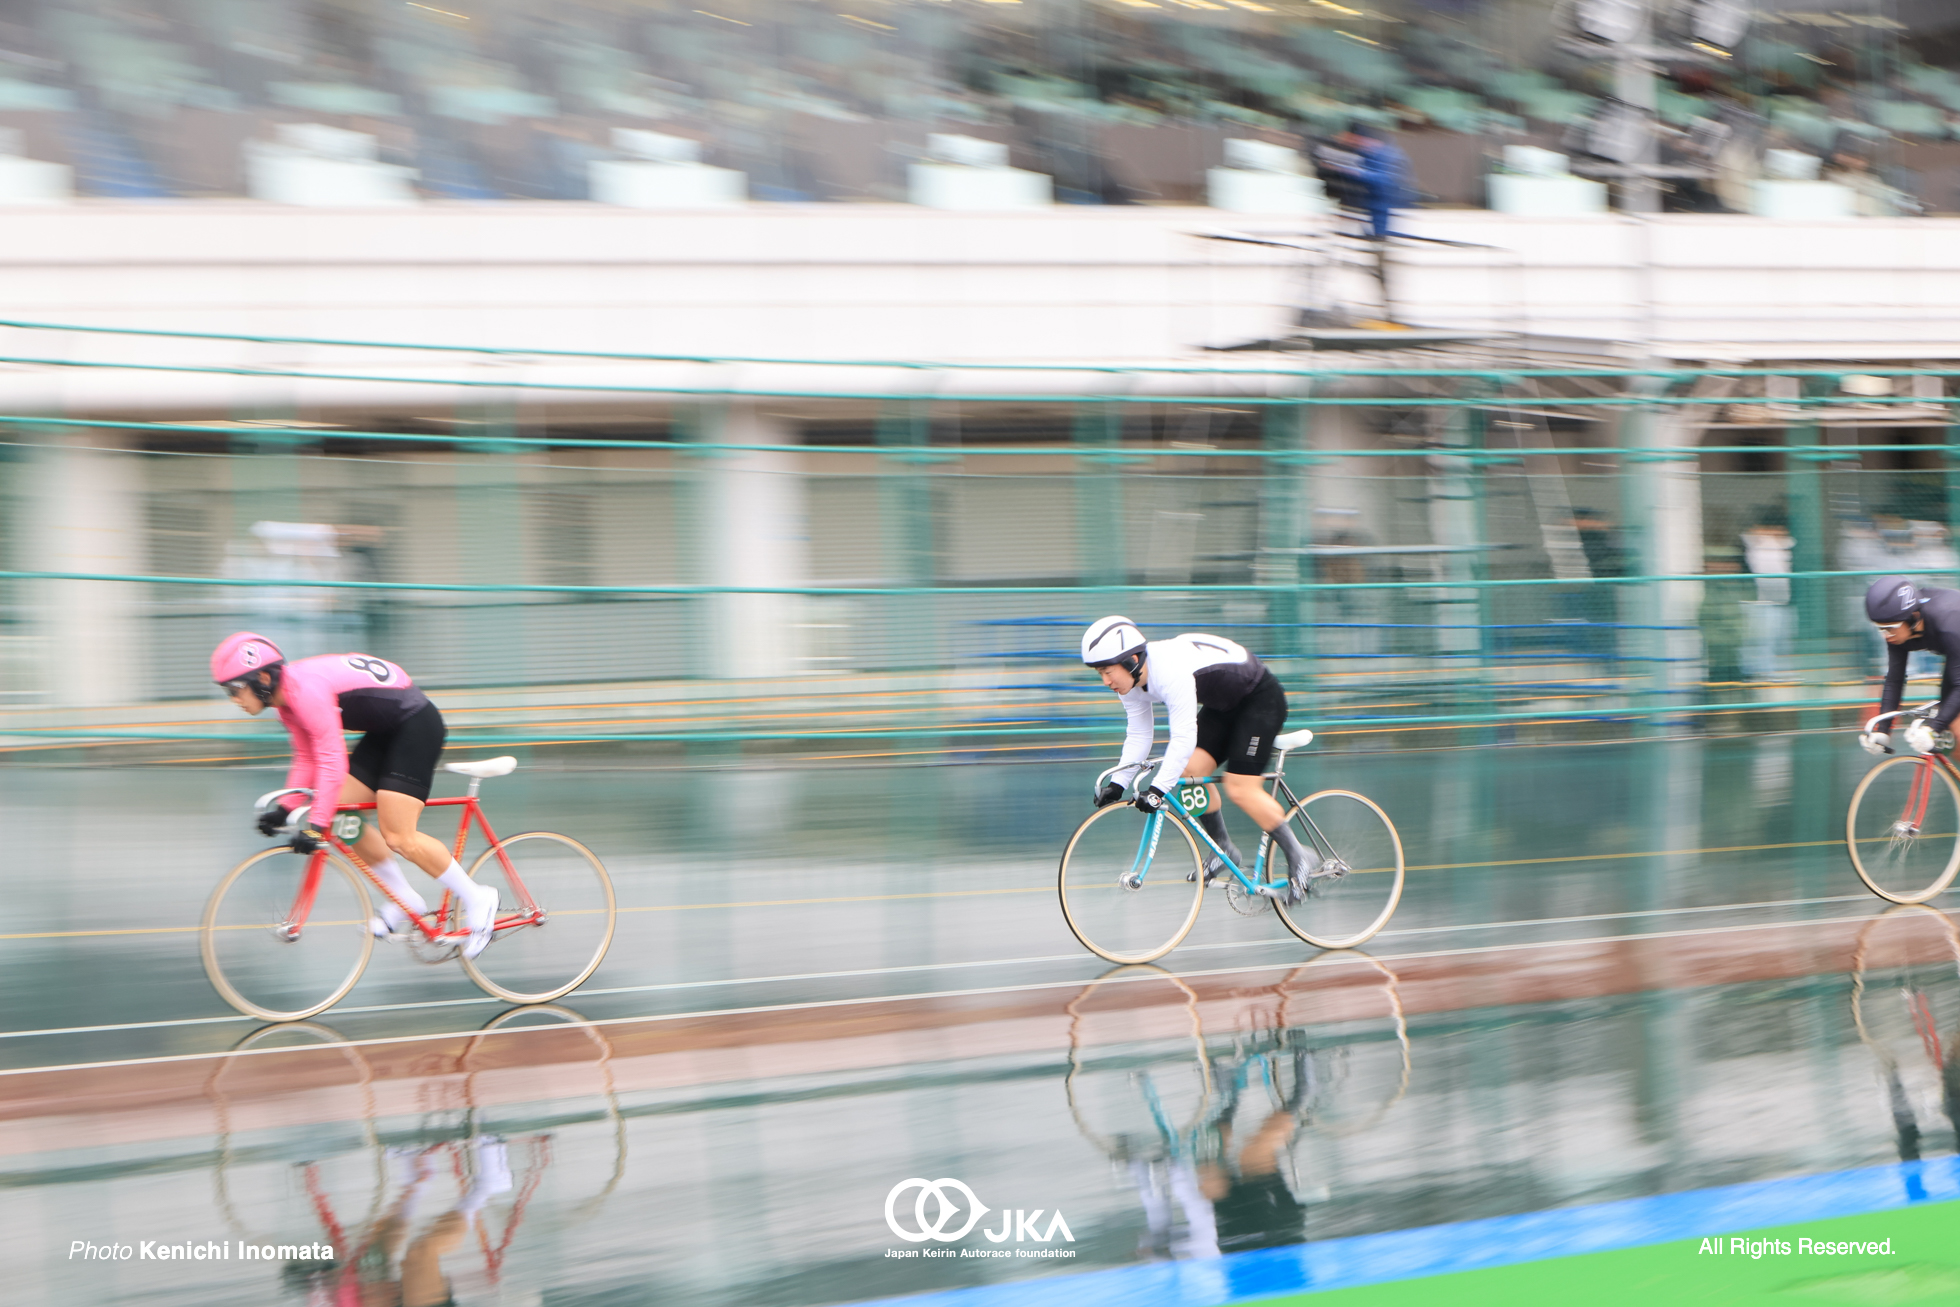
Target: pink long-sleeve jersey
{"type": "Point", "coordinates": [326, 696]}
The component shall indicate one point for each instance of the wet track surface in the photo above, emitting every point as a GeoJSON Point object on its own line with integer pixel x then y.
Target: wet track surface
{"type": "Point", "coordinates": [1617, 971]}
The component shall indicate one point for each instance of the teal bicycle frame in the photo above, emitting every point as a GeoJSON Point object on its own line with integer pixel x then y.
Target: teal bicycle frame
{"type": "Point", "coordinates": [1257, 884]}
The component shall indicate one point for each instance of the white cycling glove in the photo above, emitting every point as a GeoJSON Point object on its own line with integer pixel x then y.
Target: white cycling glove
{"type": "Point", "coordinates": [1876, 743]}
{"type": "Point", "coordinates": [1922, 738]}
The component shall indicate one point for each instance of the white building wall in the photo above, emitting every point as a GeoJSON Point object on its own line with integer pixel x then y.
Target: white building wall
{"type": "Point", "coordinates": [872, 282]}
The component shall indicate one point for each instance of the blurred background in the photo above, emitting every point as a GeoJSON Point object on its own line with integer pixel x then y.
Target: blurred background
{"type": "Point", "coordinates": [736, 413]}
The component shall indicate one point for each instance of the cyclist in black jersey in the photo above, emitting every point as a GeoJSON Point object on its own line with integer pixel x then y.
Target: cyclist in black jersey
{"type": "Point", "coordinates": [1911, 617]}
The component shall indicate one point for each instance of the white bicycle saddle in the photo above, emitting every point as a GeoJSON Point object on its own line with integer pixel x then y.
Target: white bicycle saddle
{"type": "Point", "coordinates": [485, 769]}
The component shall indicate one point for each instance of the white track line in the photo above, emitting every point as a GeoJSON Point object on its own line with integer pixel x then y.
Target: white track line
{"type": "Point", "coordinates": [667, 986]}
{"type": "Point", "coordinates": [929, 995]}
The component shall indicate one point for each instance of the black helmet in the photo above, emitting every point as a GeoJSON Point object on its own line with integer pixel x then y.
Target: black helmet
{"type": "Point", "coordinates": [1891, 599]}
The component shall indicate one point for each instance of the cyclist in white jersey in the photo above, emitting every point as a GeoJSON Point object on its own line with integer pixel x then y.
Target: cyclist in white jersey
{"type": "Point", "coordinates": [1223, 705]}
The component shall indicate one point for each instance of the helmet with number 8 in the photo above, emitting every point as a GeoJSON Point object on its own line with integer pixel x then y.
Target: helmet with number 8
{"type": "Point", "coordinates": [1891, 599]}
{"type": "Point", "coordinates": [244, 654]}
{"type": "Point", "coordinates": [1114, 640]}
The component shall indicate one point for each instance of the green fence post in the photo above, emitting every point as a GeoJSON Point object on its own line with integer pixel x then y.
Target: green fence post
{"type": "Point", "coordinates": [1286, 533]}
{"type": "Point", "coordinates": [909, 527]}
{"type": "Point", "coordinates": [1099, 532]}
{"type": "Point", "coordinates": [1637, 606]}
{"type": "Point", "coordinates": [1803, 472]}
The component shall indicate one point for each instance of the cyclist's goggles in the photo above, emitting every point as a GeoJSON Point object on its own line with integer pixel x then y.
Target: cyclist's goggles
{"type": "Point", "coordinates": [1892, 626]}
{"type": "Point", "coordinates": [231, 688]}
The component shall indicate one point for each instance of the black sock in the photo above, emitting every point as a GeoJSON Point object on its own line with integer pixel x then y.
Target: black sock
{"type": "Point", "coordinates": [1299, 863]}
{"type": "Point", "coordinates": [1214, 824]}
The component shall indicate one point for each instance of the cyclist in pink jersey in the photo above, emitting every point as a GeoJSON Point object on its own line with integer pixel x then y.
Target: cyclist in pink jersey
{"type": "Point", "coordinates": [392, 767]}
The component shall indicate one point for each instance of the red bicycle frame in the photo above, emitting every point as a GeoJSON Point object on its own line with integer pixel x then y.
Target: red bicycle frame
{"type": "Point", "coordinates": [525, 912]}
{"type": "Point", "coordinates": [1921, 792]}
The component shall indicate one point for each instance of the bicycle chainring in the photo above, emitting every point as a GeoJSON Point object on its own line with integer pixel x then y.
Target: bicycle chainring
{"type": "Point", "coordinates": [1243, 903]}
{"type": "Point", "coordinates": [431, 952]}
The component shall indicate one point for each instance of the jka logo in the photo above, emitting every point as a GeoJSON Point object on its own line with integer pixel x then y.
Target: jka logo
{"type": "Point", "coordinates": [950, 1198]}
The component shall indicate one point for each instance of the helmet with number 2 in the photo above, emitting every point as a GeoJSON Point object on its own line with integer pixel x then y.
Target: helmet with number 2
{"type": "Point", "coordinates": [1891, 599]}
{"type": "Point", "coordinates": [244, 654]}
{"type": "Point", "coordinates": [1114, 640]}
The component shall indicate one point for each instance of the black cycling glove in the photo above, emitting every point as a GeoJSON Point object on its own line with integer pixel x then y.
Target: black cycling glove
{"type": "Point", "coordinates": [272, 819]}
{"type": "Point", "coordinates": [1151, 800]}
{"type": "Point", "coordinates": [1110, 793]}
{"type": "Point", "coordinates": [307, 840]}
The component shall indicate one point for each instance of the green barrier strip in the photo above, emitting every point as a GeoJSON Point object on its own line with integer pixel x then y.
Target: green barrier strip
{"type": "Point", "coordinates": [951, 734]}
{"type": "Point", "coordinates": [1923, 1266]}
{"type": "Point", "coordinates": [1100, 454]}
{"type": "Point", "coordinates": [1111, 369]}
{"type": "Point", "coordinates": [683, 591]}
{"type": "Point", "coordinates": [953, 397]}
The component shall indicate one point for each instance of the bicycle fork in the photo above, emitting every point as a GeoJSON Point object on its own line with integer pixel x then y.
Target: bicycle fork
{"type": "Point", "coordinates": [1146, 852]}
{"type": "Point", "coordinates": [1907, 828]}
{"type": "Point", "coordinates": [309, 889]}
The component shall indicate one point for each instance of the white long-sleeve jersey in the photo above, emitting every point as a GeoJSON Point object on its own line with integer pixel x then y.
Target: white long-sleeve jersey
{"type": "Point", "coordinates": [1184, 673]}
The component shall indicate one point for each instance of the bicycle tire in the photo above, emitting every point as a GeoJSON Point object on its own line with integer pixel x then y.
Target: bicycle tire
{"type": "Point", "coordinates": [1121, 1146]}
{"type": "Point", "coordinates": [529, 974]}
{"type": "Point", "coordinates": [1872, 871]}
{"type": "Point", "coordinates": [1128, 929]}
{"type": "Point", "coordinates": [1362, 845]}
{"type": "Point", "coordinates": [228, 985]}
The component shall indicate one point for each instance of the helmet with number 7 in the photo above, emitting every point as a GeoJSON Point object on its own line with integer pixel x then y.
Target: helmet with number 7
{"type": "Point", "coordinates": [1891, 599]}
{"type": "Point", "coordinates": [244, 654]}
{"type": "Point", "coordinates": [1114, 640]}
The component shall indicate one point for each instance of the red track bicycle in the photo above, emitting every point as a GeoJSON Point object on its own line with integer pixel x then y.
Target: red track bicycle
{"type": "Point", "coordinates": [286, 934]}
{"type": "Point", "coordinates": [1903, 830]}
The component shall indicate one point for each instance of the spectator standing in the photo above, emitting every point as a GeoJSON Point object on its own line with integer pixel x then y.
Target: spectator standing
{"type": "Point", "coordinates": [1384, 177]}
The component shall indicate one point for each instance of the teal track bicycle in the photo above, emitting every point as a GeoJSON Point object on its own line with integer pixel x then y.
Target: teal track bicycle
{"type": "Point", "coordinates": [1131, 884]}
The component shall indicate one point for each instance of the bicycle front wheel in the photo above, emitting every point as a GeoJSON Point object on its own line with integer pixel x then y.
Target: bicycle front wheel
{"type": "Point", "coordinates": [1903, 830]}
{"type": "Point", "coordinates": [1129, 898]}
{"type": "Point", "coordinates": [286, 934]}
{"type": "Point", "coordinates": [1361, 869]}
{"type": "Point", "coordinates": [554, 922]}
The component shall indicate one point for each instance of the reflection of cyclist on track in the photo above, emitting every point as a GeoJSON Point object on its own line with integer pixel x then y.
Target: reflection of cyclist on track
{"type": "Point", "coordinates": [392, 767]}
{"type": "Point", "coordinates": [1910, 619]}
{"type": "Point", "coordinates": [1252, 1204]}
{"type": "Point", "coordinates": [389, 1269]}
{"type": "Point", "coordinates": [1221, 704]}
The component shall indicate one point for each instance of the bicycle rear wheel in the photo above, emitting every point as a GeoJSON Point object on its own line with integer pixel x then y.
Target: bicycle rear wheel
{"type": "Point", "coordinates": [1125, 900]}
{"type": "Point", "coordinates": [265, 965]}
{"type": "Point", "coordinates": [1362, 860]}
{"type": "Point", "coordinates": [535, 961]}
{"type": "Point", "coordinates": [1903, 829]}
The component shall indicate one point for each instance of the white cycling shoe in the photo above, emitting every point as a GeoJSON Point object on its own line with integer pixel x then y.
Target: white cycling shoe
{"type": "Point", "coordinates": [480, 919]}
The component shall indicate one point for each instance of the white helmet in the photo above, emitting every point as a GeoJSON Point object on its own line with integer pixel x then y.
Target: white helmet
{"type": "Point", "coordinates": [1113, 640]}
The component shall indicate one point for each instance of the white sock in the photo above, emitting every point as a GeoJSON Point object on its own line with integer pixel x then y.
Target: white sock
{"type": "Point", "coordinates": [492, 1175]}
{"type": "Point", "coordinates": [479, 906]}
{"type": "Point", "coordinates": [457, 882]}
{"type": "Point", "coordinates": [389, 873]}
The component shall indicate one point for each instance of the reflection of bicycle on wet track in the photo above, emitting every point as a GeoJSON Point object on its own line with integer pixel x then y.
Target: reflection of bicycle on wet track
{"type": "Point", "coordinates": [1131, 884]}
{"type": "Point", "coordinates": [496, 1157]}
{"type": "Point", "coordinates": [1903, 827]}
{"type": "Point", "coordinates": [1905, 975]}
{"type": "Point", "coordinates": [286, 934]}
{"type": "Point", "coordinates": [1207, 1129]}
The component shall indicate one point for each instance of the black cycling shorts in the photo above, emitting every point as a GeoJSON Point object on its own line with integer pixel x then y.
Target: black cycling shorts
{"type": "Point", "coordinates": [402, 758]}
{"type": "Point", "coordinates": [1241, 737]}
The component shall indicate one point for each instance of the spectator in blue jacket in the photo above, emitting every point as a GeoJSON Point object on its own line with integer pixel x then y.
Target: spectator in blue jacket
{"type": "Point", "coordinates": [1384, 176]}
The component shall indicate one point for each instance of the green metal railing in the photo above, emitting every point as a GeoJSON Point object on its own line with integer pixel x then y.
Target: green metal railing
{"type": "Point", "coordinates": [1474, 548]}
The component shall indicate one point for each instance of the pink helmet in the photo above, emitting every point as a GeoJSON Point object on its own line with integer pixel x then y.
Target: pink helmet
{"type": "Point", "coordinates": [241, 654]}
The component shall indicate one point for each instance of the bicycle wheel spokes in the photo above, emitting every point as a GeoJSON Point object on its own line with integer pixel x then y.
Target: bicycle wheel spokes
{"type": "Point", "coordinates": [535, 961]}
{"type": "Point", "coordinates": [1125, 902]}
{"type": "Point", "coordinates": [1903, 830]}
{"type": "Point", "coordinates": [1361, 880]}
{"type": "Point", "coordinates": [263, 957]}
